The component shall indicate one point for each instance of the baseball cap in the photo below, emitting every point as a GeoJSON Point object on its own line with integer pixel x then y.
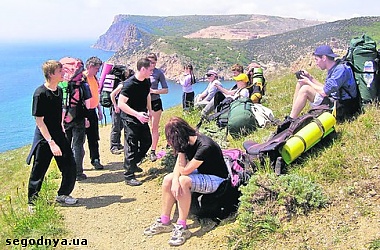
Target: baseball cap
{"type": "Point", "coordinates": [241, 77]}
{"type": "Point", "coordinates": [212, 72]}
{"type": "Point", "coordinates": [324, 50]}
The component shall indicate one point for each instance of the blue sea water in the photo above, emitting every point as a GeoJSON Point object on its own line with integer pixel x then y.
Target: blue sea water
{"type": "Point", "coordinates": [21, 74]}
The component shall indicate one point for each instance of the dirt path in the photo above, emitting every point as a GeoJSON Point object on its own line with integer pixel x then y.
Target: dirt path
{"type": "Point", "coordinates": [112, 215]}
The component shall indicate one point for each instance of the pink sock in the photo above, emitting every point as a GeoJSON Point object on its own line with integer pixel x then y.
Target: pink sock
{"type": "Point", "coordinates": [183, 223]}
{"type": "Point", "coordinates": [165, 219]}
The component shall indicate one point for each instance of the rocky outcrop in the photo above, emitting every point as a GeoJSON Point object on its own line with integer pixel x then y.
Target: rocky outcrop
{"type": "Point", "coordinates": [123, 35]}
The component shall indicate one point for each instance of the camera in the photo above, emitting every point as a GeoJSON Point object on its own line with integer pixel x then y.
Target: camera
{"type": "Point", "coordinates": [299, 74]}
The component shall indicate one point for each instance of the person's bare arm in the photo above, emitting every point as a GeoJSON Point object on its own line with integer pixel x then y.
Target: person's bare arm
{"type": "Point", "coordinates": [55, 149]}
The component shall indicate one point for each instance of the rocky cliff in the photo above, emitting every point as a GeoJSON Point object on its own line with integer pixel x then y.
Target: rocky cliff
{"type": "Point", "coordinates": [123, 35]}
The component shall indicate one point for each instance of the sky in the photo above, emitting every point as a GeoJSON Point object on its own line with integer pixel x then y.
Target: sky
{"type": "Point", "coordinates": [50, 20]}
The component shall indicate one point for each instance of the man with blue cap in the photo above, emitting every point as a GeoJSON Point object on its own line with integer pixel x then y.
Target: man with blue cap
{"type": "Point", "coordinates": [339, 87]}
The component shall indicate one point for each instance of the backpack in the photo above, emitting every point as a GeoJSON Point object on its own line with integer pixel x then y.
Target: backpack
{"type": "Point", "coordinates": [237, 115]}
{"type": "Point", "coordinates": [257, 84]}
{"type": "Point", "coordinates": [264, 116]}
{"type": "Point", "coordinates": [239, 167]}
{"type": "Point", "coordinates": [293, 137]}
{"type": "Point", "coordinates": [218, 205]}
{"type": "Point", "coordinates": [345, 110]}
{"type": "Point", "coordinates": [363, 58]}
{"type": "Point", "coordinates": [241, 120]}
{"type": "Point", "coordinates": [72, 101]}
{"type": "Point", "coordinates": [222, 110]}
{"type": "Point", "coordinates": [225, 200]}
{"type": "Point", "coordinates": [72, 88]}
{"type": "Point", "coordinates": [111, 81]}
{"type": "Point", "coordinates": [71, 67]}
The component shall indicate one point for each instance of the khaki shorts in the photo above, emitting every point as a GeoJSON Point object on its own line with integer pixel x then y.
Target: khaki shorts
{"type": "Point", "coordinates": [317, 100]}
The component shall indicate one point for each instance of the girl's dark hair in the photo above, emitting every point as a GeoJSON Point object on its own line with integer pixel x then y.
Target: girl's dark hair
{"type": "Point", "coordinates": [177, 132]}
{"type": "Point", "coordinates": [190, 67]}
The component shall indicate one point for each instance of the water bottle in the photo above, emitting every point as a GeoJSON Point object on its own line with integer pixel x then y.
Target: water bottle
{"type": "Point", "coordinates": [368, 77]}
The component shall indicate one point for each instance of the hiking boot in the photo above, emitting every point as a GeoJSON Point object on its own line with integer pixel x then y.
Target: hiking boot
{"type": "Point", "coordinates": [133, 182]}
{"type": "Point", "coordinates": [153, 156]}
{"type": "Point", "coordinates": [130, 180]}
{"type": "Point", "coordinates": [179, 235]}
{"type": "Point", "coordinates": [158, 227]}
{"type": "Point", "coordinates": [116, 151]}
{"type": "Point", "coordinates": [97, 165]}
{"type": "Point", "coordinates": [288, 119]}
{"type": "Point", "coordinates": [81, 177]}
{"type": "Point", "coordinates": [66, 199]}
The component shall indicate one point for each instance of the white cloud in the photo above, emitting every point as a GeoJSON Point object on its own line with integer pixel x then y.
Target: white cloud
{"type": "Point", "coordinates": [88, 19]}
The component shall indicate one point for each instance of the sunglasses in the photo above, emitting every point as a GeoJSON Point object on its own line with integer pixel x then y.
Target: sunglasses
{"type": "Point", "coordinates": [208, 75]}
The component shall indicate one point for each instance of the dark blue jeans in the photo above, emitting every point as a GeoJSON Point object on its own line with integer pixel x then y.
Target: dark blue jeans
{"type": "Point", "coordinates": [92, 133]}
{"type": "Point", "coordinates": [76, 134]}
{"type": "Point", "coordinates": [137, 141]}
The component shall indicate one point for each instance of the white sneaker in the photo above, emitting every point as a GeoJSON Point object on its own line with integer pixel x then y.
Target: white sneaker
{"type": "Point", "coordinates": [31, 208]}
{"type": "Point", "coordinates": [66, 199]}
{"type": "Point", "coordinates": [158, 227]}
{"type": "Point", "coordinates": [179, 235]}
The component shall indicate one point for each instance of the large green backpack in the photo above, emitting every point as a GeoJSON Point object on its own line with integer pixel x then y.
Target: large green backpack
{"type": "Point", "coordinates": [241, 120]}
{"type": "Point", "coordinates": [364, 61]}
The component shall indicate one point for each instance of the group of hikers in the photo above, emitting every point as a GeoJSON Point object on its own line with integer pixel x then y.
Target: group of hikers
{"type": "Point", "coordinates": [199, 167]}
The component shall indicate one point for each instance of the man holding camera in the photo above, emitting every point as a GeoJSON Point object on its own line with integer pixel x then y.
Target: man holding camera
{"type": "Point", "coordinates": [339, 86]}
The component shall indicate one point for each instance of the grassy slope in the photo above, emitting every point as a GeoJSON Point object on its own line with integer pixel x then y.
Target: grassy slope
{"type": "Point", "coordinates": [348, 171]}
{"type": "Point", "coordinates": [346, 168]}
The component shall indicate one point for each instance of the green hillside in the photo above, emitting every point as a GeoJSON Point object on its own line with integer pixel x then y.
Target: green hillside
{"type": "Point", "coordinates": [280, 50]}
{"type": "Point", "coordinates": [287, 47]}
{"type": "Point", "coordinates": [180, 25]}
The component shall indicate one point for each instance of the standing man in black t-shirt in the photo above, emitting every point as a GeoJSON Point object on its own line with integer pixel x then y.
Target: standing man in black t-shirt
{"type": "Point", "coordinates": [49, 138]}
{"type": "Point", "coordinates": [135, 104]}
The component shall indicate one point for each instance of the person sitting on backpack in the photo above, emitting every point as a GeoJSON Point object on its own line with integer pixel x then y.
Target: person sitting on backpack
{"type": "Point", "coordinates": [206, 96]}
{"type": "Point", "coordinates": [240, 90]}
{"type": "Point", "coordinates": [339, 85]}
{"type": "Point", "coordinates": [200, 167]}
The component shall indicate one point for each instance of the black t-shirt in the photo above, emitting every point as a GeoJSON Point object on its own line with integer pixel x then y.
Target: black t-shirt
{"type": "Point", "coordinates": [208, 151]}
{"type": "Point", "coordinates": [137, 93]}
{"type": "Point", "coordinates": [48, 104]}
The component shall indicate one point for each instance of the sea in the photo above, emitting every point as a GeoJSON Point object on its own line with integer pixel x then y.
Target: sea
{"type": "Point", "coordinates": [21, 74]}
